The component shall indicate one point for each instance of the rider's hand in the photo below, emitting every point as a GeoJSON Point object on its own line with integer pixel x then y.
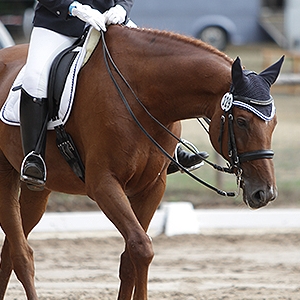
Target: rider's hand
{"type": "Point", "coordinates": [88, 15]}
{"type": "Point", "coordinates": [115, 15]}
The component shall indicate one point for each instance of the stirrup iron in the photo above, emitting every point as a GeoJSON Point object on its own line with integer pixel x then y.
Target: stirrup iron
{"type": "Point", "coordinates": [33, 183]}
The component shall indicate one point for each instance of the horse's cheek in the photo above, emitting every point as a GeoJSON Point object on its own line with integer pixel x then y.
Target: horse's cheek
{"type": "Point", "coordinates": [214, 132]}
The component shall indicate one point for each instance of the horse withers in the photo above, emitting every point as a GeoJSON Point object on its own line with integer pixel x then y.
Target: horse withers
{"type": "Point", "coordinates": [175, 78]}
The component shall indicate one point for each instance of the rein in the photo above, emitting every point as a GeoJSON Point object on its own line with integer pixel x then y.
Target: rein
{"type": "Point", "coordinates": [107, 59]}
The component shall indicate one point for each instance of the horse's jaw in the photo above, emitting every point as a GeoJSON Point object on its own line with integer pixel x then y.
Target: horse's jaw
{"type": "Point", "coordinates": [258, 195]}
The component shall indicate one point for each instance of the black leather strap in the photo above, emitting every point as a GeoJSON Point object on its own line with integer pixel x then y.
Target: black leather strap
{"type": "Point", "coordinates": [253, 155]}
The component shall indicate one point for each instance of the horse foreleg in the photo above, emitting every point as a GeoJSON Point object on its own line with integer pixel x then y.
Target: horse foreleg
{"type": "Point", "coordinates": [5, 268]}
{"type": "Point", "coordinates": [134, 265]}
{"type": "Point", "coordinates": [10, 260]}
{"type": "Point", "coordinates": [16, 253]}
{"type": "Point", "coordinates": [11, 223]}
{"type": "Point", "coordinates": [127, 276]}
{"type": "Point", "coordinates": [32, 207]}
{"type": "Point", "coordinates": [144, 206]}
{"type": "Point", "coordinates": [9, 187]}
{"type": "Point", "coordinates": [112, 200]}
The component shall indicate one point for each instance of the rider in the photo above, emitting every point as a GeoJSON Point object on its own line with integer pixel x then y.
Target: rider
{"type": "Point", "coordinates": [57, 25]}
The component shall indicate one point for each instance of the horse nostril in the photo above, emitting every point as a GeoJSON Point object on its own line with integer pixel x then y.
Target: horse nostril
{"type": "Point", "coordinates": [258, 197]}
{"type": "Point", "coordinates": [262, 197]}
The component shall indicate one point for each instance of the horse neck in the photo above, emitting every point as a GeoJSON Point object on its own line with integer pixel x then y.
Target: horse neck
{"type": "Point", "coordinates": [175, 77]}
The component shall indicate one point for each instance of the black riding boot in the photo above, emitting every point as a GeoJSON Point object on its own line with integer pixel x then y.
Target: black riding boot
{"type": "Point", "coordinates": [186, 159]}
{"type": "Point", "coordinates": [33, 122]}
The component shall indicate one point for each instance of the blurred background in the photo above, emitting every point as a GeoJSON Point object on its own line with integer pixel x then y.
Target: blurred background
{"type": "Point", "coordinates": [259, 32]}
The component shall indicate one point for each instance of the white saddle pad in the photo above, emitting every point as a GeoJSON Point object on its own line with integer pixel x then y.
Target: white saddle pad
{"type": "Point", "coordinates": [9, 113]}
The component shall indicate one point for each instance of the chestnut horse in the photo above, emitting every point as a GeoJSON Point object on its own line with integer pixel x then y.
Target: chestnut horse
{"type": "Point", "coordinates": [176, 78]}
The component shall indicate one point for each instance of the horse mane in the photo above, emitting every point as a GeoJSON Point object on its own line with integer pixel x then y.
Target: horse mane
{"type": "Point", "coordinates": [185, 39]}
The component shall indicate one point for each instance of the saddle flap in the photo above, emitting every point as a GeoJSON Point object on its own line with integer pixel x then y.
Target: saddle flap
{"type": "Point", "coordinates": [59, 72]}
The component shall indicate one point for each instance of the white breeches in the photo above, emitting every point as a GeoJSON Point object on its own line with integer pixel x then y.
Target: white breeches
{"type": "Point", "coordinates": [44, 46]}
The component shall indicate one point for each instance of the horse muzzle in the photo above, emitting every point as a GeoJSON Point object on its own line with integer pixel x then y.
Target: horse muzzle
{"type": "Point", "coordinates": [257, 196]}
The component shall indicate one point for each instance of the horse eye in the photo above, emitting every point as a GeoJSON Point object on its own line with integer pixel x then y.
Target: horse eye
{"type": "Point", "coordinates": [241, 122]}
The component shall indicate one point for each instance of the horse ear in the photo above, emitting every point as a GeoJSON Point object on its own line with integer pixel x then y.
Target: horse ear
{"type": "Point", "coordinates": [271, 73]}
{"type": "Point", "coordinates": [238, 77]}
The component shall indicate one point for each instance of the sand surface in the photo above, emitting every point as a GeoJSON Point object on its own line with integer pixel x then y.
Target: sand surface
{"type": "Point", "coordinates": [213, 265]}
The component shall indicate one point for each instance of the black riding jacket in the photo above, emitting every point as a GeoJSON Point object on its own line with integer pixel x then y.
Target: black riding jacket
{"type": "Point", "coordinates": [54, 14]}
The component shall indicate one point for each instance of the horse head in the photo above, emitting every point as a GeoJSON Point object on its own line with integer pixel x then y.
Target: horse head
{"type": "Point", "coordinates": [241, 131]}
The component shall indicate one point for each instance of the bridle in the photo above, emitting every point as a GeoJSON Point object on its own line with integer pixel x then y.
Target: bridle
{"type": "Point", "coordinates": [235, 158]}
